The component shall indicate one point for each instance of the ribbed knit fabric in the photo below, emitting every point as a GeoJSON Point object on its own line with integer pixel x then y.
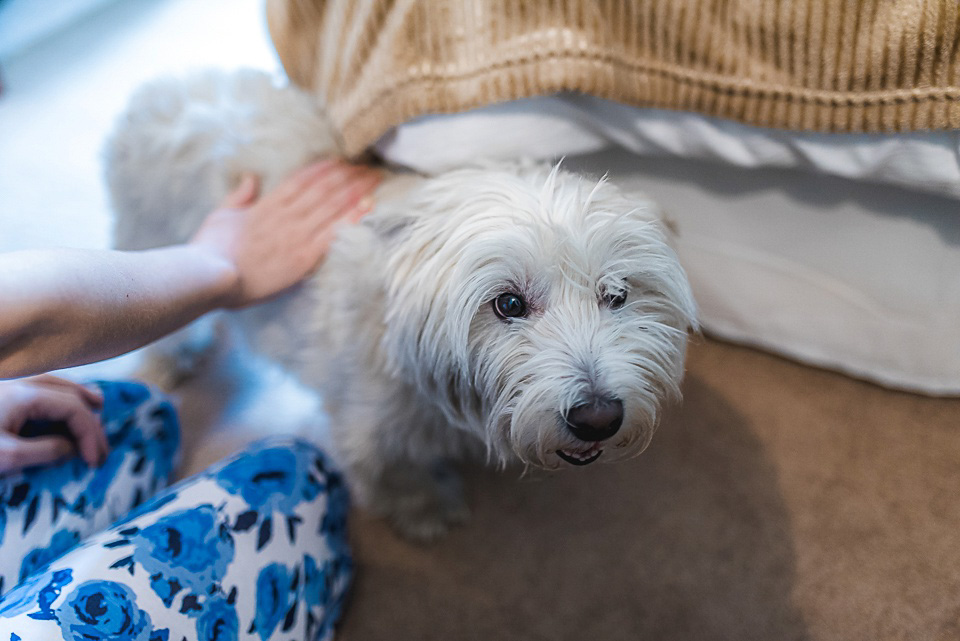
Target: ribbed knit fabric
{"type": "Point", "coordinates": [825, 65]}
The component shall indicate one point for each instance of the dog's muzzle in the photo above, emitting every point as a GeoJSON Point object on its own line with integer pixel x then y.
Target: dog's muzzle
{"type": "Point", "coordinates": [592, 423]}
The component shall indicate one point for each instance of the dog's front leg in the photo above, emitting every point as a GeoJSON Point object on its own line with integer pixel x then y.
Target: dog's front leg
{"type": "Point", "coordinates": [400, 458]}
{"type": "Point", "coordinates": [421, 501]}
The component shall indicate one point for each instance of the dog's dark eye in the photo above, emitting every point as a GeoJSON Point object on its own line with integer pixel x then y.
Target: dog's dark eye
{"type": "Point", "coordinates": [509, 306]}
{"type": "Point", "coordinates": [615, 300]}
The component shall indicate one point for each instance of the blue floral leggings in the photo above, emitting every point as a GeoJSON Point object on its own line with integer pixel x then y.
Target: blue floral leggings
{"type": "Point", "coordinates": [253, 548]}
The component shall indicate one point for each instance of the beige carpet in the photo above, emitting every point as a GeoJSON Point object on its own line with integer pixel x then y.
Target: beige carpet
{"type": "Point", "coordinates": [779, 502]}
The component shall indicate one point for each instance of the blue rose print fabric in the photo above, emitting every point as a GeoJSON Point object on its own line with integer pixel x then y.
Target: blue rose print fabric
{"type": "Point", "coordinates": [46, 511]}
{"type": "Point", "coordinates": [254, 549]}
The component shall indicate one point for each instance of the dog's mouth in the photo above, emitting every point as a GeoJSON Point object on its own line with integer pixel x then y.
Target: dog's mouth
{"type": "Point", "coordinates": [585, 457]}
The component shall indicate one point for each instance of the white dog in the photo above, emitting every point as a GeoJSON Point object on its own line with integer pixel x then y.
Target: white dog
{"type": "Point", "coordinates": [520, 311]}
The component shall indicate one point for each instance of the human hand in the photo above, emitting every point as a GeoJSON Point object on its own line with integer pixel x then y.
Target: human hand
{"type": "Point", "coordinates": [276, 241]}
{"type": "Point", "coordinates": [48, 398]}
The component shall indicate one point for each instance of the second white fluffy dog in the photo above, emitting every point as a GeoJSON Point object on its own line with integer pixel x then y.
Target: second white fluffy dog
{"type": "Point", "coordinates": [522, 312]}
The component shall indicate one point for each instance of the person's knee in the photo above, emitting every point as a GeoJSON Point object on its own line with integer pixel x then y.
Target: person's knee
{"type": "Point", "coordinates": [130, 406]}
{"type": "Point", "coordinates": [285, 475]}
{"type": "Point", "coordinates": [141, 421]}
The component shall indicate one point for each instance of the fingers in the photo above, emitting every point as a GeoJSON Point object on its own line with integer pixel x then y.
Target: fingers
{"type": "Point", "coordinates": [294, 185]}
{"type": "Point", "coordinates": [245, 193]}
{"type": "Point", "coordinates": [19, 453]}
{"type": "Point", "coordinates": [51, 404]}
{"type": "Point", "coordinates": [283, 236]}
{"type": "Point", "coordinates": [318, 176]}
{"type": "Point", "coordinates": [349, 193]}
{"type": "Point", "coordinates": [320, 181]}
{"type": "Point", "coordinates": [347, 203]}
{"type": "Point", "coordinates": [331, 196]}
{"type": "Point", "coordinates": [363, 207]}
{"type": "Point", "coordinates": [90, 394]}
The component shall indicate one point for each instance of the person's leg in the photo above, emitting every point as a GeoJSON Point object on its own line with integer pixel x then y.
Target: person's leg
{"type": "Point", "coordinates": [254, 548]}
{"type": "Point", "coordinates": [45, 511]}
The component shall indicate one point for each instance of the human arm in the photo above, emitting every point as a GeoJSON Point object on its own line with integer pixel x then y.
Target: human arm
{"type": "Point", "coordinates": [66, 307]}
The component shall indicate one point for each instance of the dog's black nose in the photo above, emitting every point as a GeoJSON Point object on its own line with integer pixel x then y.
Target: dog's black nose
{"type": "Point", "coordinates": [597, 420]}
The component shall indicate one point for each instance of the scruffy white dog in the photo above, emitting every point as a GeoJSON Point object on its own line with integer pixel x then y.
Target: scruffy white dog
{"type": "Point", "coordinates": [523, 312]}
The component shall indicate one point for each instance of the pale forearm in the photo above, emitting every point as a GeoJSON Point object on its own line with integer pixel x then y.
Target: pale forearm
{"type": "Point", "coordinates": [60, 308]}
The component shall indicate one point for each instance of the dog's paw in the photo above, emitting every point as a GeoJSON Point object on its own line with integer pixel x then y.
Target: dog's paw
{"type": "Point", "coordinates": [425, 525]}
{"type": "Point", "coordinates": [178, 357]}
{"type": "Point", "coordinates": [171, 370]}
{"type": "Point", "coordinates": [421, 503]}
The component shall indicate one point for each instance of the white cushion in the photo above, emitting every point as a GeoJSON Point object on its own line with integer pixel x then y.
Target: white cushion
{"type": "Point", "coordinates": [553, 126]}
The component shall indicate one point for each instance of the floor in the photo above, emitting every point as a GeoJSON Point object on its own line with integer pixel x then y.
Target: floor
{"type": "Point", "coordinates": [778, 502]}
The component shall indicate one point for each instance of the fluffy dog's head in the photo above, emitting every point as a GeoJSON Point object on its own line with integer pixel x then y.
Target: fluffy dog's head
{"type": "Point", "coordinates": [540, 310]}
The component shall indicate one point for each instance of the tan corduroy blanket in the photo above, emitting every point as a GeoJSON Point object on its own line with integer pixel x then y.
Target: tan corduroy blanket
{"type": "Point", "coordinates": [825, 65]}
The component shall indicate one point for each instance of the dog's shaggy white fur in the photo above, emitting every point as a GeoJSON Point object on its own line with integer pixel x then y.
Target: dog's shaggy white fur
{"type": "Point", "coordinates": [478, 311]}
